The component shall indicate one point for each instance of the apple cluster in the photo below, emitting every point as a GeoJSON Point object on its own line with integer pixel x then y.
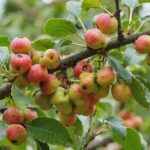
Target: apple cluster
{"type": "Point", "coordinates": [142, 46]}
{"type": "Point", "coordinates": [131, 120]}
{"type": "Point", "coordinates": [96, 38]}
{"type": "Point", "coordinates": [16, 132]}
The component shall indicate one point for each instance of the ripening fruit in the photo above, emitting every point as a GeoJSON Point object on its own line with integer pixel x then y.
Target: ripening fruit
{"type": "Point", "coordinates": [60, 97]}
{"type": "Point", "coordinates": [95, 39]}
{"type": "Point", "coordinates": [29, 115]}
{"type": "Point", "coordinates": [21, 82]}
{"type": "Point", "coordinates": [68, 119]}
{"type": "Point", "coordinates": [121, 92]}
{"type": "Point", "coordinates": [50, 85]}
{"type": "Point", "coordinates": [37, 73]}
{"type": "Point", "coordinates": [12, 116]}
{"type": "Point", "coordinates": [21, 63]}
{"type": "Point", "coordinates": [138, 121]}
{"type": "Point", "coordinates": [50, 59]}
{"type": "Point", "coordinates": [125, 115]}
{"type": "Point", "coordinates": [42, 101]}
{"type": "Point", "coordinates": [82, 66]}
{"type": "Point", "coordinates": [20, 45]}
{"type": "Point", "coordinates": [129, 123]}
{"type": "Point", "coordinates": [87, 82]}
{"type": "Point", "coordinates": [142, 44]}
{"type": "Point", "coordinates": [36, 55]}
{"type": "Point", "coordinates": [105, 76]}
{"type": "Point", "coordinates": [102, 92]}
{"type": "Point", "coordinates": [16, 134]}
{"type": "Point", "coordinates": [106, 23]}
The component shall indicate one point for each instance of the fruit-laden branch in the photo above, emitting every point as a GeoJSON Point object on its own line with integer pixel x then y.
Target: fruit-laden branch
{"type": "Point", "coordinates": [73, 59]}
{"type": "Point", "coordinates": [117, 14]}
{"type": "Point", "coordinates": [101, 143]}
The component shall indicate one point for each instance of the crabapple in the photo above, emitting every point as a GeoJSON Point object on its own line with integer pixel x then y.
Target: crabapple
{"type": "Point", "coordinates": [12, 116]}
{"type": "Point", "coordinates": [50, 59]}
{"type": "Point", "coordinates": [142, 44]}
{"type": "Point", "coordinates": [16, 134]}
{"type": "Point", "coordinates": [68, 119]}
{"type": "Point", "coordinates": [29, 115]}
{"type": "Point", "coordinates": [138, 121]}
{"type": "Point", "coordinates": [37, 73]}
{"type": "Point", "coordinates": [87, 82]}
{"type": "Point", "coordinates": [102, 92]}
{"type": "Point", "coordinates": [60, 97]}
{"type": "Point", "coordinates": [21, 63]}
{"type": "Point", "coordinates": [50, 85]}
{"type": "Point", "coordinates": [121, 92]}
{"type": "Point", "coordinates": [105, 76]}
{"type": "Point", "coordinates": [36, 55]}
{"type": "Point", "coordinates": [20, 45]}
{"type": "Point", "coordinates": [95, 39]}
{"type": "Point", "coordinates": [106, 23]}
{"type": "Point", "coordinates": [82, 66]}
{"type": "Point", "coordinates": [21, 82]}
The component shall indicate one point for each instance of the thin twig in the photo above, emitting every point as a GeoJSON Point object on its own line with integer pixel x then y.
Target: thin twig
{"type": "Point", "coordinates": [117, 14]}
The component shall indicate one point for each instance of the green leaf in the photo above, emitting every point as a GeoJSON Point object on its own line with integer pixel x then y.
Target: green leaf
{"type": "Point", "coordinates": [121, 72]}
{"type": "Point", "coordinates": [59, 27]}
{"type": "Point", "coordinates": [50, 131]}
{"type": "Point", "coordinates": [131, 57]}
{"type": "Point", "coordinates": [132, 140]}
{"type": "Point", "coordinates": [20, 98]}
{"type": "Point", "coordinates": [42, 146]}
{"type": "Point", "coordinates": [78, 127]}
{"type": "Point", "coordinates": [86, 4]}
{"type": "Point", "coordinates": [117, 126]}
{"type": "Point", "coordinates": [144, 1]}
{"type": "Point", "coordinates": [74, 7]}
{"type": "Point", "coordinates": [130, 3]}
{"type": "Point", "coordinates": [139, 93]}
{"type": "Point", "coordinates": [43, 43]}
{"type": "Point", "coordinates": [62, 43]}
{"type": "Point", "coordinates": [3, 128]}
{"type": "Point", "coordinates": [4, 55]}
{"type": "Point", "coordinates": [4, 41]}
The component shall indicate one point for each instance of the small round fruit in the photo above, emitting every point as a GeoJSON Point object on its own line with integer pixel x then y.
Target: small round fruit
{"type": "Point", "coordinates": [121, 92]}
{"type": "Point", "coordinates": [50, 85]}
{"type": "Point", "coordinates": [105, 76]}
{"type": "Point", "coordinates": [68, 119]}
{"type": "Point", "coordinates": [21, 63]}
{"type": "Point", "coordinates": [82, 66]}
{"type": "Point", "coordinates": [50, 59]}
{"type": "Point", "coordinates": [16, 134]}
{"type": "Point", "coordinates": [138, 121]}
{"type": "Point", "coordinates": [142, 44]}
{"type": "Point", "coordinates": [37, 73]}
{"type": "Point", "coordinates": [129, 123]}
{"type": "Point", "coordinates": [36, 55]}
{"type": "Point", "coordinates": [12, 116]}
{"type": "Point", "coordinates": [29, 115]}
{"type": "Point", "coordinates": [102, 92]}
{"type": "Point", "coordinates": [87, 82]}
{"type": "Point", "coordinates": [95, 39]}
{"type": "Point", "coordinates": [106, 23]}
{"type": "Point", "coordinates": [21, 45]}
{"type": "Point", "coordinates": [125, 115]}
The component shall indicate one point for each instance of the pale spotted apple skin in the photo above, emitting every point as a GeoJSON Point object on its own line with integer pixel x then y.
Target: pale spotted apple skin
{"type": "Point", "coordinates": [12, 116]}
{"type": "Point", "coordinates": [21, 63]}
{"type": "Point", "coordinates": [106, 23]}
{"type": "Point", "coordinates": [95, 39]}
{"type": "Point", "coordinates": [16, 134]}
{"type": "Point", "coordinates": [21, 45]}
{"type": "Point", "coordinates": [142, 44]}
